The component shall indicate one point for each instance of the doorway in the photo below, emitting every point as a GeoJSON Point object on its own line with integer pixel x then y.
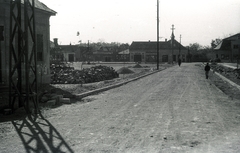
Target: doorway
{"type": "Point", "coordinates": [137, 58]}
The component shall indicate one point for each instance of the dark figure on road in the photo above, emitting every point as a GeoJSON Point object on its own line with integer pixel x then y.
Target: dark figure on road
{"type": "Point", "coordinates": [179, 62]}
{"type": "Point", "coordinates": [207, 69]}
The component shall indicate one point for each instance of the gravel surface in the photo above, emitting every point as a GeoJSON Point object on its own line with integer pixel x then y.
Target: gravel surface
{"type": "Point", "coordinates": [174, 110]}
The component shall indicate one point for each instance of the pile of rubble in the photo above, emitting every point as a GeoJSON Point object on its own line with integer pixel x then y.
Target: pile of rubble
{"type": "Point", "coordinates": [237, 73]}
{"type": "Point", "coordinates": [68, 75]}
{"type": "Point", "coordinates": [226, 70]}
{"type": "Point", "coordinates": [54, 99]}
{"type": "Point", "coordinates": [52, 96]}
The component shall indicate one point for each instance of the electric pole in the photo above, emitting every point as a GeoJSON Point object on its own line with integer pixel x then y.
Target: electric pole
{"type": "Point", "coordinates": [157, 34]}
{"type": "Point", "coordinates": [179, 54]}
{"type": "Point", "coordinates": [1, 39]}
{"type": "Point", "coordinates": [172, 40]}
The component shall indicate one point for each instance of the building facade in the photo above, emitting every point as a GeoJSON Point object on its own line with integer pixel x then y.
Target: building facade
{"type": "Point", "coordinates": [229, 49]}
{"type": "Point", "coordinates": [123, 56]}
{"type": "Point", "coordinates": [146, 51]}
{"type": "Point", "coordinates": [42, 16]}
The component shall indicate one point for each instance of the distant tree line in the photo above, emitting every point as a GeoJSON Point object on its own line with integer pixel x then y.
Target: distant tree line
{"type": "Point", "coordinates": [199, 53]}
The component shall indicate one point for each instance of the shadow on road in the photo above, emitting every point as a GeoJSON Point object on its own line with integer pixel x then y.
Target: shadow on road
{"type": "Point", "coordinates": [39, 135]}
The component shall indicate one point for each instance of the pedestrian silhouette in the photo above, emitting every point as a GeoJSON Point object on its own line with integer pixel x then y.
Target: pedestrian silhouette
{"type": "Point", "coordinates": [207, 69]}
{"type": "Point", "coordinates": [179, 62]}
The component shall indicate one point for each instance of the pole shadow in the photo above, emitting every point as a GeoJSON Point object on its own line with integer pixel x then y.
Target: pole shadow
{"type": "Point", "coordinates": [39, 135]}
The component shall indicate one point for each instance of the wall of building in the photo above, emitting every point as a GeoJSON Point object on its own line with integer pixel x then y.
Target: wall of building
{"type": "Point", "coordinates": [42, 28]}
{"type": "Point", "coordinates": [148, 56]}
{"type": "Point", "coordinates": [69, 57]}
{"type": "Point", "coordinates": [4, 21]}
{"type": "Point", "coordinates": [227, 55]}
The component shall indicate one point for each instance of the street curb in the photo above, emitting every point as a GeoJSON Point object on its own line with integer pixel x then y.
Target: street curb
{"type": "Point", "coordinates": [226, 79]}
{"type": "Point", "coordinates": [229, 81]}
{"type": "Point", "coordinates": [85, 94]}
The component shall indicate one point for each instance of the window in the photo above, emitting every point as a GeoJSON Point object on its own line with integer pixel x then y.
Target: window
{"type": "Point", "coordinates": [235, 56]}
{"type": "Point", "coordinates": [235, 46]}
{"type": "Point", "coordinates": [183, 58]}
{"type": "Point", "coordinates": [39, 47]}
{"type": "Point", "coordinates": [174, 58]}
{"type": "Point", "coordinates": [222, 56]}
{"type": "Point", "coordinates": [227, 57]}
{"type": "Point", "coordinates": [132, 56]}
{"type": "Point", "coordinates": [1, 33]}
{"type": "Point", "coordinates": [165, 58]}
{"type": "Point", "coordinates": [151, 58]}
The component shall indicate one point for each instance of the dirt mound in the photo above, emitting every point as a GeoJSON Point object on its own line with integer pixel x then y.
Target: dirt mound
{"type": "Point", "coordinates": [124, 70]}
{"type": "Point", "coordinates": [137, 66]}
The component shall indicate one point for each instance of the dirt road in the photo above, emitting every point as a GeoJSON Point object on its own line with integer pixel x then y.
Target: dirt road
{"type": "Point", "coordinates": [175, 110]}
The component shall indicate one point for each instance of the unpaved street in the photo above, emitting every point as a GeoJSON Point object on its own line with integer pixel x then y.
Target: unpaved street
{"type": "Point", "coordinates": [175, 110]}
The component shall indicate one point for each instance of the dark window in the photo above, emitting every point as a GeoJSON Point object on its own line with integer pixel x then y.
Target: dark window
{"type": "Point", "coordinates": [222, 56]}
{"type": "Point", "coordinates": [39, 47]}
{"type": "Point", "coordinates": [137, 58]}
{"type": "Point", "coordinates": [1, 33]}
{"type": "Point", "coordinates": [151, 58]}
{"type": "Point", "coordinates": [131, 56]}
{"type": "Point", "coordinates": [227, 57]}
{"type": "Point", "coordinates": [165, 58]}
{"type": "Point", "coordinates": [174, 58]}
{"type": "Point", "coordinates": [235, 46]}
{"type": "Point", "coordinates": [71, 57]}
{"type": "Point", "coordinates": [183, 58]}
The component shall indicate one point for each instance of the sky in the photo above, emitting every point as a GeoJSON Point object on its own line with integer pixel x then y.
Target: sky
{"type": "Point", "coordinates": [125, 21]}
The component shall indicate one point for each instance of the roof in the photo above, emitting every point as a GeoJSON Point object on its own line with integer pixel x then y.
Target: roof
{"type": "Point", "coordinates": [224, 45]}
{"type": "Point", "coordinates": [42, 6]}
{"type": "Point", "coordinates": [233, 37]}
{"type": "Point", "coordinates": [226, 42]}
{"type": "Point", "coordinates": [152, 45]}
{"type": "Point", "coordinates": [102, 53]}
{"type": "Point", "coordinates": [124, 52]}
{"type": "Point", "coordinates": [68, 48]}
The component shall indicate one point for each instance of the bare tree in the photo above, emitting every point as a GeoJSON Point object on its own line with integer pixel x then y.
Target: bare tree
{"type": "Point", "coordinates": [195, 46]}
{"type": "Point", "coordinates": [215, 42]}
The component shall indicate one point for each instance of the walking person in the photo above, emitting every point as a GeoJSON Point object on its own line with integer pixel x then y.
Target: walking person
{"type": "Point", "coordinates": [207, 69]}
{"type": "Point", "coordinates": [179, 62]}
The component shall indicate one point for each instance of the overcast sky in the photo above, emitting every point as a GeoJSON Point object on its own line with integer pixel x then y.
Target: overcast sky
{"type": "Point", "coordinates": [125, 21]}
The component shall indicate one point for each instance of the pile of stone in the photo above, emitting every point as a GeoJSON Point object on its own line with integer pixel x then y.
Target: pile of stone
{"type": "Point", "coordinates": [226, 70]}
{"type": "Point", "coordinates": [51, 96]}
{"type": "Point", "coordinates": [237, 73]}
{"type": "Point", "coordinates": [67, 75]}
{"type": "Point", "coordinates": [137, 66]}
{"type": "Point", "coordinates": [54, 99]}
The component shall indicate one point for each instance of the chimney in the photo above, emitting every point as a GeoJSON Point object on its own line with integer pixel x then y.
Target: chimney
{"type": "Point", "coordinates": [166, 40]}
{"type": "Point", "coordinates": [55, 42]}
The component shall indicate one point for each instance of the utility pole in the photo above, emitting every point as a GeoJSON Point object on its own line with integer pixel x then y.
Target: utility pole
{"type": "Point", "coordinates": [238, 59]}
{"type": "Point", "coordinates": [88, 51]}
{"type": "Point", "coordinates": [157, 34]}
{"type": "Point", "coordinates": [179, 54]}
{"type": "Point", "coordinates": [1, 39]}
{"type": "Point", "coordinates": [172, 40]}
